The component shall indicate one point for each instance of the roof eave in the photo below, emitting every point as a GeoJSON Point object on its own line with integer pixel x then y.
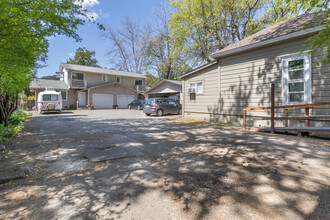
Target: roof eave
{"type": "Point", "coordinates": [218, 55]}
{"type": "Point", "coordinates": [198, 69]}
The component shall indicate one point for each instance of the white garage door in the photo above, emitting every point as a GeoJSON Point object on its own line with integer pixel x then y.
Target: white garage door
{"type": "Point", "coordinates": [124, 100]}
{"type": "Point", "coordinates": [103, 100]}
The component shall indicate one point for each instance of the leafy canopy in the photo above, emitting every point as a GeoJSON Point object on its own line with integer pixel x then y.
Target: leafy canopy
{"type": "Point", "coordinates": [84, 57]}
{"type": "Point", "coordinates": [25, 28]}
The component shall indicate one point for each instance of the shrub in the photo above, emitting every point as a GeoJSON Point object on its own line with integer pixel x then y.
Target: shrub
{"type": "Point", "coordinates": [72, 107]}
{"type": "Point", "coordinates": [18, 117]}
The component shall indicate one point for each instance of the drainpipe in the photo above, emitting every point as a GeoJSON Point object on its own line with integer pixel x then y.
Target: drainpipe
{"type": "Point", "coordinates": [88, 96]}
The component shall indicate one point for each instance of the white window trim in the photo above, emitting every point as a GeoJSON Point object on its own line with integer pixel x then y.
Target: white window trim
{"type": "Point", "coordinates": [195, 87]}
{"type": "Point", "coordinates": [77, 79]}
{"type": "Point", "coordinates": [307, 78]}
{"type": "Point", "coordinates": [106, 78]}
{"type": "Point", "coordinates": [66, 97]}
{"type": "Point", "coordinates": [117, 79]}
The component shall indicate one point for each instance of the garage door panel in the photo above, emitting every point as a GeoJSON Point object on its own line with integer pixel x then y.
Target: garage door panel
{"type": "Point", "coordinates": [124, 100]}
{"type": "Point", "coordinates": [103, 101]}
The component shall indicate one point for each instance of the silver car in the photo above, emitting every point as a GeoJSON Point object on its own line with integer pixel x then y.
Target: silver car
{"type": "Point", "coordinates": [162, 106]}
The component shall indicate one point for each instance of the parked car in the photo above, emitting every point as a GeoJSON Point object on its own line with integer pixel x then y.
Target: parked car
{"type": "Point", "coordinates": [49, 101]}
{"type": "Point", "coordinates": [136, 104]}
{"type": "Point", "coordinates": [162, 106]}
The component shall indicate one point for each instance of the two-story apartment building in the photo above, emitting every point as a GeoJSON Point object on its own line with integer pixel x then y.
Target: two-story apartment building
{"type": "Point", "coordinates": [104, 88]}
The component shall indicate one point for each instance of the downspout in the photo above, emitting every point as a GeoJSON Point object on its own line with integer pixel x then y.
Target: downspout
{"type": "Point", "coordinates": [88, 96]}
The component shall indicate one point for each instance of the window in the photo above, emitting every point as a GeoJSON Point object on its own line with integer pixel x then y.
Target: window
{"type": "Point", "coordinates": [138, 82]}
{"type": "Point", "coordinates": [49, 97]}
{"type": "Point", "coordinates": [197, 86]}
{"type": "Point", "coordinates": [64, 95]}
{"type": "Point", "coordinates": [104, 78]}
{"type": "Point", "coordinates": [118, 79]}
{"type": "Point", "coordinates": [296, 79]}
{"type": "Point", "coordinates": [171, 102]}
{"type": "Point", "coordinates": [77, 76]}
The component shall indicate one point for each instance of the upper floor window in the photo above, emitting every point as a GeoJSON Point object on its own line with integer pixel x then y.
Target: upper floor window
{"type": "Point", "coordinates": [197, 86]}
{"type": "Point", "coordinates": [78, 76]}
{"type": "Point", "coordinates": [138, 82]}
{"type": "Point", "coordinates": [296, 79]}
{"type": "Point", "coordinates": [118, 79]}
{"type": "Point", "coordinates": [104, 78]}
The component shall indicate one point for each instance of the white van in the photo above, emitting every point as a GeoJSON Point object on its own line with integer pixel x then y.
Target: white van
{"type": "Point", "coordinates": [50, 101]}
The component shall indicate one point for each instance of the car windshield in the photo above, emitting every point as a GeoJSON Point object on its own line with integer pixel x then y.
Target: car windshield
{"type": "Point", "coordinates": [50, 97]}
{"type": "Point", "coordinates": [150, 101]}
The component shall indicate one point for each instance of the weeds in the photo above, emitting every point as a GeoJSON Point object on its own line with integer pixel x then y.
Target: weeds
{"type": "Point", "coordinates": [15, 124]}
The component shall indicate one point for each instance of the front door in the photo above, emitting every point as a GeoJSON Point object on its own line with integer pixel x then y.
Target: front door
{"type": "Point", "coordinates": [82, 99]}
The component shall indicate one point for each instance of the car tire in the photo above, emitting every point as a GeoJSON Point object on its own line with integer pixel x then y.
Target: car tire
{"type": "Point", "coordinates": [180, 112]}
{"type": "Point", "coordinates": [160, 112]}
{"type": "Point", "coordinates": [147, 114]}
{"type": "Point", "coordinates": [129, 106]}
{"type": "Point", "coordinates": [138, 108]}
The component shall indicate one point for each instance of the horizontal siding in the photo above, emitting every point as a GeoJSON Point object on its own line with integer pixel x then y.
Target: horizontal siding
{"type": "Point", "coordinates": [244, 81]}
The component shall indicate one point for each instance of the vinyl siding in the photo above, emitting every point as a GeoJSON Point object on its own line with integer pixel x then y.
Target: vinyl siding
{"type": "Point", "coordinates": [95, 79]}
{"type": "Point", "coordinates": [166, 86]}
{"type": "Point", "coordinates": [244, 80]}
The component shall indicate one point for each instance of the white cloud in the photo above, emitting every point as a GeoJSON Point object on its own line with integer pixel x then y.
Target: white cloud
{"type": "Point", "coordinates": [71, 54]}
{"type": "Point", "coordinates": [87, 3]}
{"type": "Point", "coordinates": [92, 15]}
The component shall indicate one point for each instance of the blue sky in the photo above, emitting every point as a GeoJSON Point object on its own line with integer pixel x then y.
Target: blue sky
{"type": "Point", "coordinates": [108, 12]}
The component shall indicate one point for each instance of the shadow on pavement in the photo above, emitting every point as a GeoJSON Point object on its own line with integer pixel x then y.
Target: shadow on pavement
{"type": "Point", "coordinates": [186, 171]}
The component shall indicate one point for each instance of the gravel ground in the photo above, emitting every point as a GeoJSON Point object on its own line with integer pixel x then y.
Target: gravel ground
{"type": "Point", "coordinates": [182, 170]}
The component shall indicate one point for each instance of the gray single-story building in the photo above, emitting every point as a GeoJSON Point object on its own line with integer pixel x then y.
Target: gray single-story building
{"type": "Point", "coordinates": [165, 88]}
{"type": "Point", "coordinates": [242, 73]}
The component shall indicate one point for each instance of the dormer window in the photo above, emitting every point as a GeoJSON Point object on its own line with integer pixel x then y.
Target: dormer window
{"type": "Point", "coordinates": [104, 78]}
{"type": "Point", "coordinates": [118, 79]}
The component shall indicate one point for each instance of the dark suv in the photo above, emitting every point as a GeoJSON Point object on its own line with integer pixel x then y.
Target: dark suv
{"type": "Point", "coordinates": [162, 106]}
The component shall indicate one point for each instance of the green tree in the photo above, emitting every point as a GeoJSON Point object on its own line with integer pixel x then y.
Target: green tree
{"type": "Point", "coordinates": [84, 57]}
{"type": "Point", "coordinates": [151, 79]}
{"type": "Point", "coordinates": [25, 26]}
{"type": "Point", "coordinates": [162, 58]}
{"type": "Point", "coordinates": [201, 27]}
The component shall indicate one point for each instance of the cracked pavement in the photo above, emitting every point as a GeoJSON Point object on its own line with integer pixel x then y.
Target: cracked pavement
{"type": "Point", "coordinates": [120, 164]}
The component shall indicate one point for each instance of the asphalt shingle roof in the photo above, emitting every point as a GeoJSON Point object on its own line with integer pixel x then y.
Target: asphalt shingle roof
{"type": "Point", "coordinates": [44, 83]}
{"type": "Point", "coordinates": [76, 67]}
{"type": "Point", "coordinates": [280, 29]}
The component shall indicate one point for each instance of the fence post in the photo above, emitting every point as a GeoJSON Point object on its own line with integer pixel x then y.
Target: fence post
{"type": "Point", "coordinates": [244, 119]}
{"type": "Point", "coordinates": [272, 113]}
{"type": "Point", "coordinates": [286, 111]}
{"type": "Point", "coordinates": [307, 114]}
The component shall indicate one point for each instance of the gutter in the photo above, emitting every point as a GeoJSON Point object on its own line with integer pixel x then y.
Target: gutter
{"type": "Point", "coordinates": [219, 54]}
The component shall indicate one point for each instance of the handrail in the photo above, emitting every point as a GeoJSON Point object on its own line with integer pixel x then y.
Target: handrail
{"type": "Point", "coordinates": [286, 107]}
{"type": "Point", "coordinates": [291, 106]}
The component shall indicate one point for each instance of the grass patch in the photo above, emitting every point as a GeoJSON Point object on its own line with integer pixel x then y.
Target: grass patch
{"type": "Point", "coordinates": [16, 121]}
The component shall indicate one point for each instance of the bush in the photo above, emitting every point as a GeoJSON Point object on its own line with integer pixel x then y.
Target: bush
{"type": "Point", "coordinates": [18, 117]}
{"type": "Point", "coordinates": [15, 123]}
{"type": "Point", "coordinates": [72, 107]}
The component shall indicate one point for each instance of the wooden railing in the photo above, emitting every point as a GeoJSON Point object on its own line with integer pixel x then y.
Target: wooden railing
{"type": "Point", "coordinates": [307, 116]}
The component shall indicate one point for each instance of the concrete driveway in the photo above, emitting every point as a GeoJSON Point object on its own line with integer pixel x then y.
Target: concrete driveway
{"type": "Point", "coordinates": [120, 164]}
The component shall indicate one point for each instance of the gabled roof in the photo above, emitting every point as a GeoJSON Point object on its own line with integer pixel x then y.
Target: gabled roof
{"type": "Point", "coordinates": [47, 83]}
{"type": "Point", "coordinates": [82, 68]}
{"type": "Point", "coordinates": [176, 82]}
{"type": "Point", "coordinates": [293, 27]}
{"type": "Point", "coordinates": [198, 69]}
